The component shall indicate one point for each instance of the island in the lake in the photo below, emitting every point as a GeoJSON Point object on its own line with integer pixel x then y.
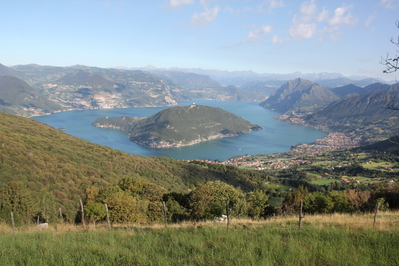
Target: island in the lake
{"type": "Point", "coordinates": [180, 126]}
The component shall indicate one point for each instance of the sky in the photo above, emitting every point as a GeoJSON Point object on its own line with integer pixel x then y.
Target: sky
{"type": "Point", "coordinates": [265, 36]}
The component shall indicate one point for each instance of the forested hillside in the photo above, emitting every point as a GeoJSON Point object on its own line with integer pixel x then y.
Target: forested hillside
{"type": "Point", "coordinates": [360, 116]}
{"type": "Point", "coordinates": [17, 97]}
{"type": "Point", "coordinates": [40, 162]}
{"type": "Point", "coordinates": [180, 126]}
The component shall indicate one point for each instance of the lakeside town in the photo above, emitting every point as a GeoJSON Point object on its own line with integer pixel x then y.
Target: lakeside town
{"type": "Point", "coordinates": [333, 141]}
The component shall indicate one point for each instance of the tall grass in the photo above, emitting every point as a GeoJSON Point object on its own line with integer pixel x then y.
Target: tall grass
{"type": "Point", "coordinates": [323, 240]}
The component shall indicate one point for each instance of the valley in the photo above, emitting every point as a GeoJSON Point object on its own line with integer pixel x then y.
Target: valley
{"type": "Point", "coordinates": [348, 168]}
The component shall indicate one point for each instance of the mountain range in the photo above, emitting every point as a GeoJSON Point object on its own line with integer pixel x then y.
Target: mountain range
{"type": "Point", "coordinates": [360, 115]}
{"type": "Point", "coordinates": [356, 111]}
{"type": "Point", "coordinates": [35, 90]}
{"type": "Point", "coordinates": [299, 95]}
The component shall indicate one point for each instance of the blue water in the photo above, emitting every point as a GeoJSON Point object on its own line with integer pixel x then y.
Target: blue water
{"type": "Point", "coordinates": [275, 136]}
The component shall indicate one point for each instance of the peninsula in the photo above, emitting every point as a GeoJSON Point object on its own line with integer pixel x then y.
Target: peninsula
{"type": "Point", "coordinates": [180, 126]}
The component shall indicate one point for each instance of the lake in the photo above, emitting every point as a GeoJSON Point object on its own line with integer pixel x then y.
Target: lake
{"type": "Point", "coordinates": [276, 136]}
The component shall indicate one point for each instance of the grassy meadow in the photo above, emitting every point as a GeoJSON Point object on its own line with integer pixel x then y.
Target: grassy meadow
{"type": "Point", "coordinates": [323, 240]}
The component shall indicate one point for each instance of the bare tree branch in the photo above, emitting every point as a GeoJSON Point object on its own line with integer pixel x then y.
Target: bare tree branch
{"type": "Point", "coordinates": [391, 63]}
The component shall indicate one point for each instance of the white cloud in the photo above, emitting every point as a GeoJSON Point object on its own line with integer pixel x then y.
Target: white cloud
{"type": "Point", "coordinates": [277, 40]}
{"type": "Point", "coordinates": [323, 15]}
{"type": "Point", "coordinates": [176, 4]}
{"type": "Point", "coordinates": [342, 17]}
{"type": "Point", "coordinates": [255, 34]}
{"type": "Point", "coordinates": [305, 24]}
{"type": "Point", "coordinates": [208, 15]}
{"type": "Point", "coordinates": [308, 8]}
{"type": "Point", "coordinates": [391, 4]}
{"type": "Point", "coordinates": [303, 30]}
{"type": "Point", "coordinates": [370, 19]}
{"type": "Point", "coordinates": [274, 4]}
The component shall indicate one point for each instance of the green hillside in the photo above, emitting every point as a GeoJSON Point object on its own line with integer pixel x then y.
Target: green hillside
{"type": "Point", "coordinates": [46, 161]}
{"type": "Point", "coordinates": [17, 97]}
{"type": "Point", "coordinates": [179, 126]}
{"type": "Point", "coordinates": [360, 116]}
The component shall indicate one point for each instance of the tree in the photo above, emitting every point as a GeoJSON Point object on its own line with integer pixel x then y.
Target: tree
{"type": "Point", "coordinates": [47, 206]}
{"type": "Point", "coordinates": [341, 203]}
{"type": "Point", "coordinates": [209, 200]}
{"type": "Point", "coordinates": [126, 208]}
{"type": "Point", "coordinates": [392, 63]}
{"type": "Point", "coordinates": [257, 201]}
{"type": "Point", "coordinates": [317, 202]}
{"type": "Point", "coordinates": [95, 211]}
{"type": "Point", "coordinates": [292, 201]}
{"type": "Point", "coordinates": [15, 197]}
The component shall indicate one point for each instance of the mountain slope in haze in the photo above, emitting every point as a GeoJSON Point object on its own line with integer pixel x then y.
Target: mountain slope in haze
{"type": "Point", "coordinates": [189, 81]}
{"type": "Point", "coordinates": [264, 87]}
{"type": "Point", "coordinates": [204, 87]}
{"type": "Point", "coordinates": [45, 159]}
{"type": "Point", "coordinates": [85, 89]}
{"type": "Point", "coordinates": [348, 89]}
{"type": "Point", "coordinates": [180, 126]}
{"type": "Point", "coordinates": [299, 95]}
{"type": "Point", "coordinates": [351, 88]}
{"type": "Point", "coordinates": [17, 97]}
{"type": "Point", "coordinates": [6, 71]}
{"type": "Point", "coordinates": [361, 115]}
{"type": "Point", "coordinates": [342, 81]}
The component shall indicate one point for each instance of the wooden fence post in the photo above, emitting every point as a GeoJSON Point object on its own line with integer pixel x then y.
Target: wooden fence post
{"type": "Point", "coordinates": [108, 221]}
{"type": "Point", "coordinates": [61, 217]}
{"type": "Point", "coordinates": [376, 213]}
{"type": "Point", "coordinates": [12, 221]}
{"type": "Point", "coordinates": [300, 214]}
{"type": "Point", "coordinates": [228, 213]}
{"type": "Point", "coordinates": [83, 213]}
{"type": "Point", "coordinates": [165, 214]}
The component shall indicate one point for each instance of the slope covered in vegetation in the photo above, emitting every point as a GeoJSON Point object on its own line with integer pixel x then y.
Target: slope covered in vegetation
{"type": "Point", "coordinates": [40, 161]}
{"type": "Point", "coordinates": [180, 126]}
{"type": "Point", "coordinates": [17, 97]}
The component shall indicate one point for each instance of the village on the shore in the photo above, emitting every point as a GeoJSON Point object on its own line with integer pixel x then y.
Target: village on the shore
{"type": "Point", "coordinates": [331, 142]}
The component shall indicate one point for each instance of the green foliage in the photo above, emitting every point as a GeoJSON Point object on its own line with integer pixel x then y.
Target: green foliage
{"type": "Point", "coordinates": [47, 206]}
{"type": "Point", "coordinates": [209, 200]}
{"type": "Point", "coordinates": [257, 202]}
{"type": "Point", "coordinates": [292, 201]}
{"type": "Point", "coordinates": [95, 211]}
{"type": "Point", "coordinates": [176, 213]}
{"type": "Point", "coordinates": [340, 201]}
{"type": "Point", "coordinates": [383, 205]}
{"type": "Point", "coordinates": [125, 208]}
{"type": "Point", "coordinates": [18, 199]}
{"type": "Point", "coordinates": [49, 162]}
{"type": "Point", "coordinates": [317, 203]}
